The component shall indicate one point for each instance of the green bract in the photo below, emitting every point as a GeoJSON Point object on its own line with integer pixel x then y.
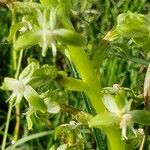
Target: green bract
{"type": "Point", "coordinates": [34, 99]}
{"type": "Point", "coordinates": [106, 119]}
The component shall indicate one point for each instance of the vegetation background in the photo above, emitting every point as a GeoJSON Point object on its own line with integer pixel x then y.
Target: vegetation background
{"type": "Point", "coordinates": [93, 18]}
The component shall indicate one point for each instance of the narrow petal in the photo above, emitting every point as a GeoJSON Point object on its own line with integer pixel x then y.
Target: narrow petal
{"type": "Point", "coordinates": [8, 84]}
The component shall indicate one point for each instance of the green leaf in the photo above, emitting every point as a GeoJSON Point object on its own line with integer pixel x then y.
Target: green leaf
{"type": "Point", "coordinates": [69, 37]}
{"type": "Point", "coordinates": [67, 4]}
{"type": "Point", "coordinates": [46, 70]}
{"type": "Point", "coordinates": [34, 99]}
{"type": "Point", "coordinates": [105, 119]}
{"type": "Point", "coordinates": [27, 40]}
{"type": "Point", "coordinates": [141, 116]}
{"type": "Point", "coordinates": [46, 3]}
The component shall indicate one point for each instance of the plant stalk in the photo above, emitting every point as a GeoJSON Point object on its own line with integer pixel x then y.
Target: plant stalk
{"type": "Point", "coordinates": [6, 127]}
{"type": "Point", "coordinates": [17, 125]}
{"type": "Point", "coordinates": [87, 73]}
{"type": "Point", "coordinates": [114, 139]}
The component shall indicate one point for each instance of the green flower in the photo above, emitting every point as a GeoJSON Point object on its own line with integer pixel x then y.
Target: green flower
{"type": "Point", "coordinates": [42, 29]}
{"type": "Point", "coordinates": [117, 113]}
{"type": "Point", "coordinates": [20, 88]}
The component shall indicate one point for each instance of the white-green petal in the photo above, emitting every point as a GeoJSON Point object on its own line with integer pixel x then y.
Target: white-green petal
{"type": "Point", "coordinates": [110, 104]}
{"type": "Point", "coordinates": [9, 84]}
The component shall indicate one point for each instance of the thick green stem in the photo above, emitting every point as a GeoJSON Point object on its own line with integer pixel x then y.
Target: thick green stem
{"type": "Point", "coordinates": [114, 139]}
{"type": "Point", "coordinates": [88, 75]}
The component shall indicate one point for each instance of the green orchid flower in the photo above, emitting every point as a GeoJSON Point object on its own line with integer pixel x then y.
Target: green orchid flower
{"type": "Point", "coordinates": [32, 77]}
{"type": "Point", "coordinates": [117, 113]}
{"type": "Point", "coordinates": [45, 29]}
{"type": "Point", "coordinates": [20, 88]}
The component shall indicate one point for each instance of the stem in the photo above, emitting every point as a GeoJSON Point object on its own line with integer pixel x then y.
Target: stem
{"type": "Point", "coordinates": [16, 132]}
{"type": "Point", "coordinates": [19, 64]}
{"type": "Point", "coordinates": [88, 75]}
{"type": "Point", "coordinates": [99, 137]}
{"type": "Point", "coordinates": [14, 57]}
{"type": "Point", "coordinates": [17, 125]}
{"type": "Point", "coordinates": [7, 126]}
{"type": "Point", "coordinates": [142, 143]}
{"type": "Point", "coordinates": [114, 138]}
